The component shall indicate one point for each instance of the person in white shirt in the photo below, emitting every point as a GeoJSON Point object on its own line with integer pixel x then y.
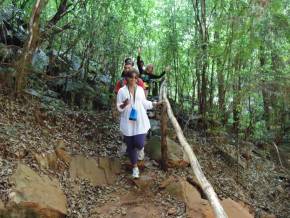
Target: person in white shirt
{"type": "Point", "coordinates": [134, 122]}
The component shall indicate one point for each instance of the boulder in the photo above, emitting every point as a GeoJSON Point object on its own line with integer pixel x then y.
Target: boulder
{"type": "Point", "coordinates": [87, 168]}
{"type": "Point", "coordinates": [99, 172]}
{"type": "Point", "coordinates": [172, 211]}
{"type": "Point", "coordinates": [145, 182]}
{"type": "Point", "coordinates": [41, 160]}
{"type": "Point", "coordinates": [196, 205]}
{"type": "Point", "coordinates": [141, 211]}
{"type": "Point", "coordinates": [52, 160]}
{"type": "Point", "coordinates": [40, 61]}
{"type": "Point", "coordinates": [19, 212]}
{"type": "Point", "coordinates": [2, 206]}
{"type": "Point", "coordinates": [167, 182]}
{"type": "Point", "coordinates": [229, 155]}
{"type": "Point", "coordinates": [39, 193]}
{"type": "Point", "coordinates": [46, 160]}
{"type": "Point", "coordinates": [155, 127]}
{"type": "Point", "coordinates": [175, 151]}
{"type": "Point", "coordinates": [62, 154]}
{"type": "Point", "coordinates": [268, 216]}
{"type": "Point", "coordinates": [111, 167]}
{"type": "Point", "coordinates": [153, 148]}
{"type": "Point", "coordinates": [235, 210]}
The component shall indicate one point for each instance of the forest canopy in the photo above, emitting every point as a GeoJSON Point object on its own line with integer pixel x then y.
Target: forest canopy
{"type": "Point", "coordinates": [229, 59]}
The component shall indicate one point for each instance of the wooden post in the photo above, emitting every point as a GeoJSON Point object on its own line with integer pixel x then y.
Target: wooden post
{"type": "Point", "coordinates": [196, 168]}
{"type": "Point", "coordinates": [164, 151]}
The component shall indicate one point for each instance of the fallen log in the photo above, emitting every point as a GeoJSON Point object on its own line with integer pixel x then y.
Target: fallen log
{"type": "Point", "coordinates": [204, 183]}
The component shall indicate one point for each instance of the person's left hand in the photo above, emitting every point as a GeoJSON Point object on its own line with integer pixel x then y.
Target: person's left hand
{"type": "Point", "coordinates": [167, 69]}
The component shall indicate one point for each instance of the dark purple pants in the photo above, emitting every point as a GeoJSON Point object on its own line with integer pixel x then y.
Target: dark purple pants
{"type": "Point", "coordinates": [133, 143]}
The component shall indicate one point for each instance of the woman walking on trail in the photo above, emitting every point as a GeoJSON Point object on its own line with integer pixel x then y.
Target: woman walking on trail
{"type": "Point", "coordinates": [134, 122]}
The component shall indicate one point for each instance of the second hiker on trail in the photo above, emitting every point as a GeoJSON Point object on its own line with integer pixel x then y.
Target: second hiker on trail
{"type": "Point", "coordinates": [134, 122]}
{"type": "Point", "coordinates": [147, 74]}
{"type": "Point", "coordinates": [128, 65]}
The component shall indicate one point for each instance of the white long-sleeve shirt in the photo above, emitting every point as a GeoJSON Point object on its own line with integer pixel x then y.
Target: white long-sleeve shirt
{"type": "Point", "coordinates": [142, 124]}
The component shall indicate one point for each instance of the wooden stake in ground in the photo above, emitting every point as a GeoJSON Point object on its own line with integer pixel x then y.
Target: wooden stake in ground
{"type": "Point", "coordinates": [204, 184]}
{"type": "Point", "coordinates": [164, 151]}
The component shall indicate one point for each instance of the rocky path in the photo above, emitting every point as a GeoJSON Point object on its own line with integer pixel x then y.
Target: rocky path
{"type": "Point", "coordinates": [66, 164]}
{"type": "Point", "coordinates": [103, 188]}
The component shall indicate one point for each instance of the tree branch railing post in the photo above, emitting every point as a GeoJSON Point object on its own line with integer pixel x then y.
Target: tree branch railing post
{"type": "Point", "coordinates": [204, 183]}
{"type": "Point", "coordinates": [164, 123]}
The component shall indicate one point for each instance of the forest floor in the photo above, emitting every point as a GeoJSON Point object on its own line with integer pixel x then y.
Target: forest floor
{"type": "Point", "coordinates": [64, 146]}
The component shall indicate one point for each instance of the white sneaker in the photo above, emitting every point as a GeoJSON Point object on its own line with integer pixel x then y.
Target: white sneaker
{"type": "Point", "coordinates": [140, 154]}
{"type": "Point", "coordinates": [135, 173]}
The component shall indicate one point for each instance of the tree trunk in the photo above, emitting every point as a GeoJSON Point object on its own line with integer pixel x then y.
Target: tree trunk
{"type": "Point", "coordinates": [201, 27]}
{"type": "Point", "coordinates": [237, 97]}
{"type": "Point", "coordinates": [221, 87]}
{"type": "Point", "coordinates": [61, 11]}
{"type": "Point", "coordinates": [204, 37]}
{"type": "Point", "coordinates": [211, 87]}
{"type": "Point", "coordinates": [22, 65]}
{"type": "Point", "coordinates": [265, 95]}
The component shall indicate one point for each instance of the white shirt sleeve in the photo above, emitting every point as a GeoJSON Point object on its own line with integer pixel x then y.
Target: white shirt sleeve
{"type": "Point", "coordinates": [142, 124]}
{"type": "Point", "coordinates": [146, 104]}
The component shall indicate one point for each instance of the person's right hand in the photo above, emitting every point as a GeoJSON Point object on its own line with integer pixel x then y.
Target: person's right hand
{"type": "Point", "coordinates": [158, 103]}
{"type": "Point", "coordinates": [125, 103]}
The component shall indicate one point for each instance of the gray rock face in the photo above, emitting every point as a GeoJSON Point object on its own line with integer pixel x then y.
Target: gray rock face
{"type": "Point", "coordinates": [39, 193]}
{"type": "Point", "coordinates": [99, 172]}
{"type": "Point", "coordinates": [40, 61]}
{"type": "Point", "coordinates": [153, 149]}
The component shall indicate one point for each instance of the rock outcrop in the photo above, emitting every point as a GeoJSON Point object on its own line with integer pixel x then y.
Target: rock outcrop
{"type": "Point", "coordinates": [39, 193]}
{"type": "Point", "coordinates": [99, 172]}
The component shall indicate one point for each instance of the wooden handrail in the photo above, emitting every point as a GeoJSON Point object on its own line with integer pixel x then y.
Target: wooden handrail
{"type": "Point", "coordinates": [204, 183]}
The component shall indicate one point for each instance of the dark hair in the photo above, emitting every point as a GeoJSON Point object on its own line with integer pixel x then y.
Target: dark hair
{"type": "Point", "coordinates": [131, 72]}
{"type": "Point", "coordinates": [128, 61]}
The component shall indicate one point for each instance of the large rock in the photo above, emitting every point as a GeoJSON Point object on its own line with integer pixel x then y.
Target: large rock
{"type": "Point", "coordinates": [197, 206]}
{"type": "Point", "coordinates": [153, 149]}
{"type": "Point", "coordinates": [99, 172]}
{"type": "Point", "coordinates": [62, 154]}
{"type": "Point", "coordinates": [46, 160]}
{"type": "Point", "coordinates": [229, 155]}
{"type": "Point", "coordinates": [39, 193]}
{"type": "Point", "coordinates": [2, 206]}
{"type": "Point", "coordinates": [19, 212]}
{"type": "Point", "coordinates": [40, 61]}
{"type": "Point", "coordinates": [235, 210]}
{"type": "Point", "coordinates": [145, 182]}
{"type": "Point", "coordinates": [111, 167]}
{"type": "Point", "coordinates": [155, 127]}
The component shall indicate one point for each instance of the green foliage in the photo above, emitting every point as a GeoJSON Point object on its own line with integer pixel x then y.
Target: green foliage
{"type": "Point", "coordinates": [246, 55]}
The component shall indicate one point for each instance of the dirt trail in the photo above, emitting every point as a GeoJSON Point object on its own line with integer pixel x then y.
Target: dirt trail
{"type": "Point", "coordinates": [45, 143]}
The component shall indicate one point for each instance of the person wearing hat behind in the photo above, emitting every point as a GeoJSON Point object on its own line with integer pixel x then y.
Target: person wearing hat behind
{"type": "Point", "coordinates": [147, 74]}
{"type": "Point", "coordinates": [134, 122]}
{"type": "Point", "coordinates": [128, 64]}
